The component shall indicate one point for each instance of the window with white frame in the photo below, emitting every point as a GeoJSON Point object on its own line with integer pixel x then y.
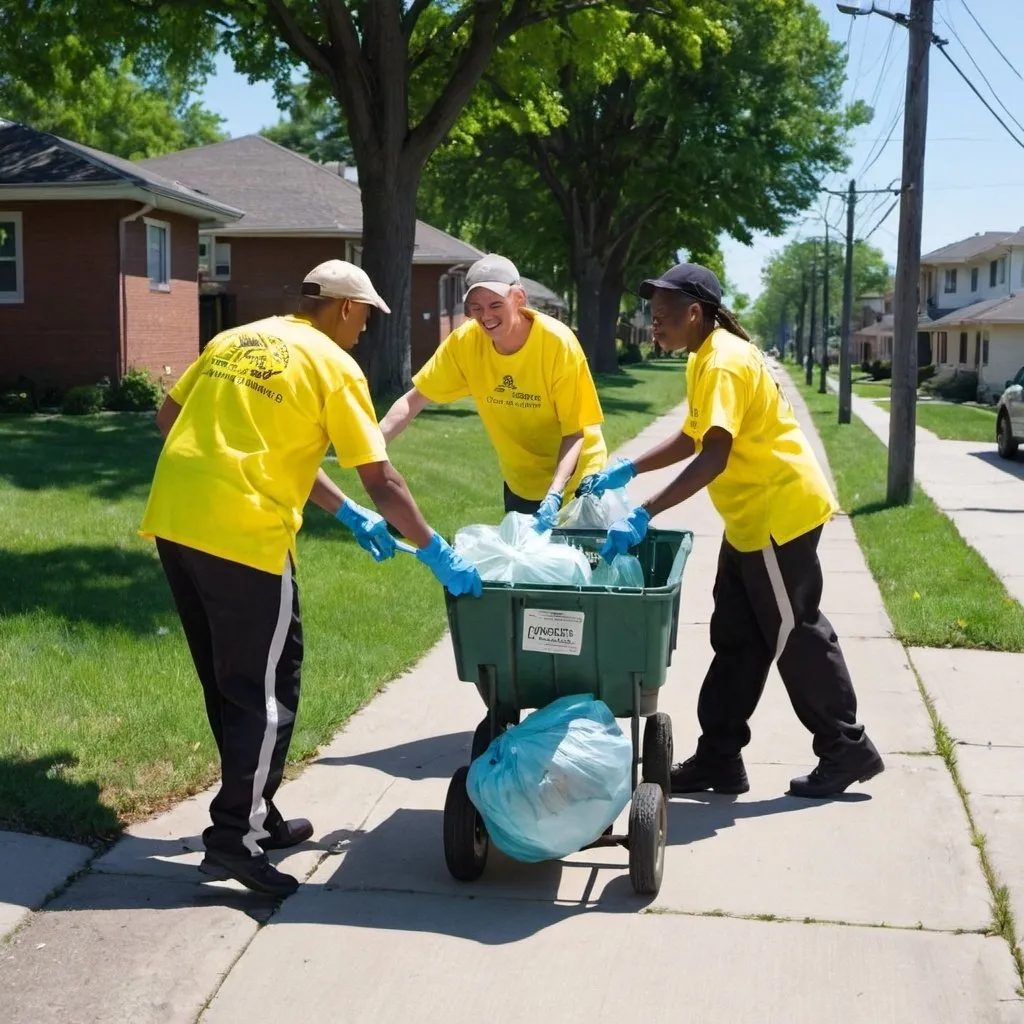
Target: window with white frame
{"type": "Point", "coordinates": [1002, 269]}
{"type": "Point", "coordinates": [984, 348]}
{"type": "Point", "coordinates": [950, 281]}
{"type": "Point", "coordinates": [941, 347]}
{"type": "Point", "coordinates": [158, 254]}
{"type": "Point", "coordinates": [12, 267]}
{"type": "Point", "coordinates": [974, 279]}
{"type": "Point", "coordinates": [214, 258]}
{"type": "Point", "coordinates": [354, 253]}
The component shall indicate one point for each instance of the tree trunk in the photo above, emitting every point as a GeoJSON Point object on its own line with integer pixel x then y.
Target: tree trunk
{"type": "Point", "coordinates": [389, 233]}
{"type": "Point", "coordinates": [800, 321]}
{"type": "Point", "coordinates": [599, 299]}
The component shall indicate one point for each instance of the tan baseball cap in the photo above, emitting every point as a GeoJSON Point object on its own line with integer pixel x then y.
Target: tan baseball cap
{"type": "Point", "coordinates": [337, 279]}
{"type": "Point", "coordinates": [493, 272]}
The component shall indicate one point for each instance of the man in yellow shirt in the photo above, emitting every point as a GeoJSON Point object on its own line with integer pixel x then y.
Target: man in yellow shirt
{"type": "Point", "coordinates": [246, 430]}
{"type": "Point", "coordinates": [532, 387]}
{"type": "Point", "coordinates": [771, 493]}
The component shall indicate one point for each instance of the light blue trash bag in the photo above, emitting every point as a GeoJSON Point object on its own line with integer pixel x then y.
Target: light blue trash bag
{"type": "Point", "coordinates": [551, 785]}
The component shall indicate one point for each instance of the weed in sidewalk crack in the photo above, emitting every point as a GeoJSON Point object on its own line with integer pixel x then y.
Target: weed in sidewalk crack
{"type": "Point", "coordinates": [1003, 923]}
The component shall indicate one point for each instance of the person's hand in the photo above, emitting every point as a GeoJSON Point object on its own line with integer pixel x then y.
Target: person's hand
{"type": "Point", "coordinates": [626, 533]}
{"type": "Point", "coordinates": [453, 571]}
{"type": "Point", "coordinates": [370, 529]}
{"type": "Point", "coordinates": [546, 517]}
{"type": "Point", "coordinates": [612, 477]}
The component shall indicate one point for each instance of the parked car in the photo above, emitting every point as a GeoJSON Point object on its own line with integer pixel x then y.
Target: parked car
{"type": "Point", "coordinates": [1010, 417]}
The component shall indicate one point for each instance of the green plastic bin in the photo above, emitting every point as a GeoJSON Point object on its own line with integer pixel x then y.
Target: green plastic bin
{"type": "Point", "coordinates": [525, 646]}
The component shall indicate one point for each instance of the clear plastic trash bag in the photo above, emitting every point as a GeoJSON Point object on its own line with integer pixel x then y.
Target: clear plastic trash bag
{"type": "Point", "coordinates": [624, 571]}
{"type": "Point", "coordinates": [515, 553]}
{"type": "Point", "coordinates": [588, 512]}
{"type": "Point", "coordinates": [551, 785]}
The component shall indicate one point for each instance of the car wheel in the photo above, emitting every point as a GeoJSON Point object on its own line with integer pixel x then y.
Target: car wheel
{"type": "Point", "coordinates": [1006, 443]}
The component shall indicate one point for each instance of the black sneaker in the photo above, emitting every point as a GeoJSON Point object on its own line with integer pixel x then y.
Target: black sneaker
{"type": "Point", "coordinates": [255, 873]}
{"type": "Point", "coordinates": [287, 834]}
{"type": "Point", "coordinates": [830, 778]}
{"type": "Point", "coordinates": [701, 772]}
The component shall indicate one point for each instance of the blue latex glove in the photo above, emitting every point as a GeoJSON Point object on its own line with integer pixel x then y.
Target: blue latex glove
{"type": "Point", "coordinates": [546, 517]}
{"type": "Point", "coordinates": [370, 529]}
{"type": "Point", "coordinates": [626, 534]}
{"type": "Point", "coordinates": [457, 575]}
{"type": "Point", "coordinates": [612, 477]}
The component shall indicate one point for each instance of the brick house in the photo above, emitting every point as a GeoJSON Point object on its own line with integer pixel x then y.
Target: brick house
{"type": "Point", "coordinates": [98, 262]}
{"type": "Point", "coordinates": [297, 214]}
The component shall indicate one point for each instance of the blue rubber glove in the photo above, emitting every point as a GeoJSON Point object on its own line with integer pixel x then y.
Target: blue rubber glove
{"type": "Point", "coordinates": [626, 534]}
{"type": "Point", "coordinates": [457, 575]}
{"type": "Point", "coordinates": [612, 477]}
{"type": "Point", "coordinates": [546, 517]}
{"type": "Point", "coordinates": [370, 529]}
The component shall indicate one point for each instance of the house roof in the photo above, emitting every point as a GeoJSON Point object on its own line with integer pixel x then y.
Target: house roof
{"type": "Point", "coordinates": [970, 248]}
{"type": "Point", "coordinates": [38, 165]}
{"type": "Point", "coordinates": [883, 326]}
{"type": "Point", "coordinates": [284, 193]}
{"type": "Point", "coordinates": [537, 291]}
{"type": "Point", "coordinates": [1009, 309]}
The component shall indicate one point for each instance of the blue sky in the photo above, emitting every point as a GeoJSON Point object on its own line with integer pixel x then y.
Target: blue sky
{"type": "Point", "coordinates": [974, 172]}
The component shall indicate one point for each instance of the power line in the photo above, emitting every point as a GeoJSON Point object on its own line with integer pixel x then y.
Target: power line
{"type": "Point", "coordinates": [984, 78]}
{"type": "Point", "coordinates": [884, 218]}
{"type": "Point", "coordinates": [941, 45]}
{"type": "Point", "coordinates": [990, 39]}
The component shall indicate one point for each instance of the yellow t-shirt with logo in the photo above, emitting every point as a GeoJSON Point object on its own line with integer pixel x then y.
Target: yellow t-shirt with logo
{"type": "Point", "coordinates": [528, 401]}
{"type": "Point", "coordinates": [772, 486]}
{"type": "Point", "coordinates": [258, 409]}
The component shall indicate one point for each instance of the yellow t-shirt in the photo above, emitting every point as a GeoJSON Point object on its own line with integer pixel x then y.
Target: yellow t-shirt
{"type": "Point", "coordinates": [528, 401]}
{"type": "Point", "coordinates": [258, 409]}
{"type": "Point", "coordinates": [772, 486]}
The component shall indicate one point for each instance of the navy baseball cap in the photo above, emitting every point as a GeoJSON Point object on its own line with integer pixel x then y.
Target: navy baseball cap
{"type": "Point", "coordinates": [691, 279]}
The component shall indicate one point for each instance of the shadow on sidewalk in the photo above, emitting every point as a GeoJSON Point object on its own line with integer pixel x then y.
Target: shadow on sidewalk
{"type": "Point", "coordinates": [432, 757]}
{"type": "Point", "coordinates": [1012, 467]}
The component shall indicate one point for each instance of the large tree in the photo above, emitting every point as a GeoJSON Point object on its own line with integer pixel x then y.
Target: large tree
{"type": "Point", "coordinates": [401, 70]}
{"type": "Point", "coordinates": [649, 135]}
{"type": "Point", "coordinates": [109, 108]}
{"type": "Point", "coordinates": [312, 125]}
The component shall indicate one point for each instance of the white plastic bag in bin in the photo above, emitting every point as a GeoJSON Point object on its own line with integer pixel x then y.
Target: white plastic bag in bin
{"type": "Point", "coordinates": [551, 785]}
{"type": "Point", "coordinates": [515, 553]}
{"type": "Point", "coordinates": [588, 512]}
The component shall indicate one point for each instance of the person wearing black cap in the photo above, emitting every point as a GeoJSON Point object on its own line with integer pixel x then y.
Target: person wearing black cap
{"type": "Point", "coordinates": [774, 499]}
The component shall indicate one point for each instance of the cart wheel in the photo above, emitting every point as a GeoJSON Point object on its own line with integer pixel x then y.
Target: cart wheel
{"type": "Point", "coordinates": [465, 838]}
{"type": "Point", "coordinates": [648, 827]}
{"type": "Point", "coordinates": [658, 752]}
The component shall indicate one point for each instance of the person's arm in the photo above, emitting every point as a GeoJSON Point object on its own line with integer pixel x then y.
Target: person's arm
{"type": "Point", "coordinates": [388, 490]}
{"type": "Point", "coordinates": [402, 413]}
{"type": "Point", "coordinates": [677, 448]}
{"type": "Point", "coordinates": [569, 452]}
{"type": "Point", "coordinates": [697, 475]}
{"type": "Point", "coordinates": [166, 415]}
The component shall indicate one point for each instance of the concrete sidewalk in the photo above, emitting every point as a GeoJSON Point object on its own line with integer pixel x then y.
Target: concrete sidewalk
{"type": "Point", "coordinates": [980, 492]}
{"type": "Point", "coordinates": [865, 909]}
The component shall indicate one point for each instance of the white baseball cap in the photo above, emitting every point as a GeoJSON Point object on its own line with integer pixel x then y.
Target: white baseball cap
{"type": "Point", "coordinates": [493, 272]}
{"type": "Point", "coordinates": [337, 279]}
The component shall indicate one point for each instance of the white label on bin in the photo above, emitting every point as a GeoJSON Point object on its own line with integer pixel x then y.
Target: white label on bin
{"type": "Point", "coordinates": [552, 632]}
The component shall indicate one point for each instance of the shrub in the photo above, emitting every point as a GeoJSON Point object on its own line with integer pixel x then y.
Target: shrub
{"type": "Point", "coordinates": [880, 370]}
{"type": "Point", "coordinates": [16, 401]}
{"type": "Point", "coordinates": [865, 367]}
{"type": "Point", "coordinates": [961, 387]}
{"type": "Point", "coordinates": [137, 391]}
{"type": "Point", "coordinates": [925, 373]}
{"type": "Point", "coordinates": [630, 354]}
{"type": "Point", "coordinates": [83, 400]}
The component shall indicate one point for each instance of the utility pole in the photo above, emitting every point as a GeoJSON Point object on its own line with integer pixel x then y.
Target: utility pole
{"type": "Point", "coordinates": [903, 407]}
{"type": "Point", "coordinates": [845, 341]}
{"type": "Point", "coordinates": [822, 377]}
{"type": "Point", "coordinates": [814, 309]}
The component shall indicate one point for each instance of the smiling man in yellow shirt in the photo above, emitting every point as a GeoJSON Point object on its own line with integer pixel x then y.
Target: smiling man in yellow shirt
{"type": "Point", "coordinates": [246, 429]}
{"type": "Point", "coordinates": [774, 499]}
{"type": "Point", "coordinates": [532, 387]}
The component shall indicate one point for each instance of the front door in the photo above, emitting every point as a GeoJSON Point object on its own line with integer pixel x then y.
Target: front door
{"type": "Point", "coordinates": [216, 314]}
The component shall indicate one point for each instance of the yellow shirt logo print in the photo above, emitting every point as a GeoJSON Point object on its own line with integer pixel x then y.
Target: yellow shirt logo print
{"type": "Point", "coordinates": [507, 384]}
{"type": "Point", "coordinates": [262, 358]}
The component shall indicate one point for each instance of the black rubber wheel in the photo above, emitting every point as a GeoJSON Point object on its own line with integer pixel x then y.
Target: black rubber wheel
{"type": "Point", "coordinates": [648, 829]}
{"type": "Point", "coordinates": [481, 739]}
{"type": "Point", "coordinates": [465, 838]}
{"type": "Point", "coordinates": [1005, 443]}
{"type": "Point", "coordinates": [658, 752]}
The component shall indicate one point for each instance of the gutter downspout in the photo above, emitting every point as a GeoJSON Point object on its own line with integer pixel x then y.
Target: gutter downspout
{"type": "Point", "coordinates": [122, 291]}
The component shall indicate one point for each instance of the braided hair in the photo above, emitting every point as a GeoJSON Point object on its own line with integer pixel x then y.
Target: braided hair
{"type": "Point", "coordinates": [723, 317]}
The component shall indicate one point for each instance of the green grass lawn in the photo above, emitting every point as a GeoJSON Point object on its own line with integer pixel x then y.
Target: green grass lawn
{"type": "Point", "coordinates": [958, 422]}
{"type": "Point", "coordinates": [874, 389]}
{"type": "Point", "coordinates": [939, 592]}
{"type": "Point", "coordinates": [102, 719]}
